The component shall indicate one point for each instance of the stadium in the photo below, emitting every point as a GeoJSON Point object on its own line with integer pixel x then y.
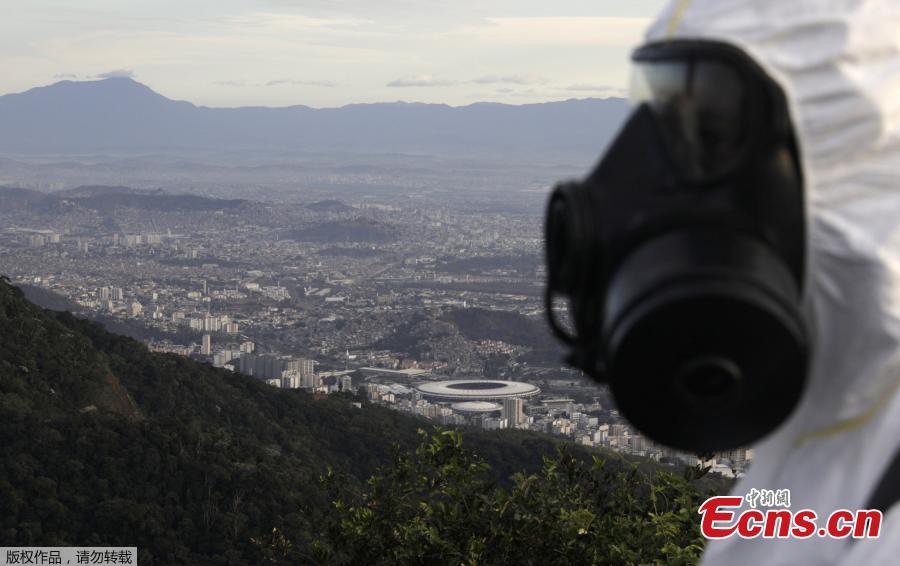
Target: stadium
{"type": "Point", "coordinates": [476, 407]}
{"type": "Point", "coordinates": [476, 390]}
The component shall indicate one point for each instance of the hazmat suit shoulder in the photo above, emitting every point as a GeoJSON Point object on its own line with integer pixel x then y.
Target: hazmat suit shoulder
{"type": "Point", "coordinates": [838, 63]}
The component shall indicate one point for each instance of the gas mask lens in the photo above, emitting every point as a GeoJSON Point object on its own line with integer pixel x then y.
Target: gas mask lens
{"type": "Point", "coordinates": [701, 109]}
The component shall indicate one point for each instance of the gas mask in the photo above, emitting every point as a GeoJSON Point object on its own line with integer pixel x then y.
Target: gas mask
{"type": "Point", "coordinates": [682, 255]}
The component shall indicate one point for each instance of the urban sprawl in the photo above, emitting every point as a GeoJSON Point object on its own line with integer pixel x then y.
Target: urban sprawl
{"type": "Point", "coordinates": [435, 311]}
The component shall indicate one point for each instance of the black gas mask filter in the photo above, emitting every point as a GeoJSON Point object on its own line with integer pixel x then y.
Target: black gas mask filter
{"type": "Point", "coordinates": [681, 256]}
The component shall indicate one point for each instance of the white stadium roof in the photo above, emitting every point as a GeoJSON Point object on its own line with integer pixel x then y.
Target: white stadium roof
{"type": "Point", "coordinates": [476, 389]}
{"type": "Point", "coordinates": [475, 407]}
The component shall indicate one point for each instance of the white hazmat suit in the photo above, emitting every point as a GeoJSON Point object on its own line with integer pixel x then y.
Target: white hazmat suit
{"type": "Point", "coordinates": [838, 63]}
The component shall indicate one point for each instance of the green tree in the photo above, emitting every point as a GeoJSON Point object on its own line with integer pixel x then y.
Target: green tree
{"type": "Point", "coordinates": [439, 507]}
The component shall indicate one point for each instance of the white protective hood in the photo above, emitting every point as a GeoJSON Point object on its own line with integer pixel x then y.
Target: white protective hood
{"type": "Point", "coordinates": [839, 65]}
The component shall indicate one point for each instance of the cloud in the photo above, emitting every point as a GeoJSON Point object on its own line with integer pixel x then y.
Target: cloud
{"type": "Point", "coordinates": [555, 30]}
{"type": "Point", "coordinates": [279, 82]}
{"type": "Point", "coordinates": [64, 76]}
{"type": "Point", "coordinates": [274, 82]}
{"type": "Point", "coordinates": [531, 94]}
{"type": "Point", "coordinates": [116, 74]}
{"type": "Point", "coordinates": [604, 90]}
{"type": "Point", "coordinates": [420, 81]}
{"type": "Point", "coordinates": [292, 22]}
{"type": "Point", "coordinates": [510, 79]}
{"type": "Point", "coordinates": [232, 83]}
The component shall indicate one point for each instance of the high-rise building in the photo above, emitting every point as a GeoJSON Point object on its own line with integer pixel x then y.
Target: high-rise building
{"type": "Point", "coordinates": [222, 358]}
{"type": "Point", "coordinates": [637, 443]}
{"type": "Point", "coordinates": [513, 412]}
{"type": "Point", "coordinates": [266, 366]}
{"type": "Point", "coordinates": [136, 309]}
{"type": "Point", "coordinates": [206, 348]}
{"type": "Point", "coordinates": [302, 366]}
{"type": "Point", "coordinates": [210, 323]}
{"type": "Point", "coordinates": [602, 434]}
{"type": "Point", "coordinates": [269, 366]}
{"type": "Point", "coordinates": [310, 381]}
{"type": "Point", "coordinates": [248, 362]}
{"type": "Point", "coordinates": [490, 423]}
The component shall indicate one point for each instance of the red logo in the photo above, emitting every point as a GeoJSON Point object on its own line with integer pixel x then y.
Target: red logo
{"type": "Point", "coordinates": [722, 518]}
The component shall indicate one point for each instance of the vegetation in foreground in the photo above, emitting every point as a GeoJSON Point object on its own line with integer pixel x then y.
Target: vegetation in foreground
{"type": "Point", "coordinates": [108, 444]}
{"type": "Point", "coordinates": [439, 506]}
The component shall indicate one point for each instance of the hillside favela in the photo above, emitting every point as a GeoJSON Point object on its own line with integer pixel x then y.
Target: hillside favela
{"type": "Point", "coordinates": [273, 290]}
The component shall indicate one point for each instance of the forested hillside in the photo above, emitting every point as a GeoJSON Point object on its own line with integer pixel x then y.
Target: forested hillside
{"type": "Point", "coordinates": [106, 443]}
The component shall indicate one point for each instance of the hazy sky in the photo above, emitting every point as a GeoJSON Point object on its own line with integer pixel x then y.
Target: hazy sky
{"type": "Point", "coordinates": [328, 52]}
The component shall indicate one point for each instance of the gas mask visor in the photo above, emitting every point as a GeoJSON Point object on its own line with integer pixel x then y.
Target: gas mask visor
{"type": "Point", "coordinates": [703, 107]}
{"type": "Point", "coordinates": [682, 254]}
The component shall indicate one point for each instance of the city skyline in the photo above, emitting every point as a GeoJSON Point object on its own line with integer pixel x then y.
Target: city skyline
{"type": "Point", "coordinates": [428, 305]}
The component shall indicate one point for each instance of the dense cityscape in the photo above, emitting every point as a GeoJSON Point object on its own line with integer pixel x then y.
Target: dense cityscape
{"type": "Point", "coordinates": [427, 306]}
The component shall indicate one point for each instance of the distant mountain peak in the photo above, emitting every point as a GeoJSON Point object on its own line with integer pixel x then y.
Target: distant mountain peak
{"type": "Point", "coordinates": [120, 114]}
{"type": "Point", "coordinates": [116, 85]}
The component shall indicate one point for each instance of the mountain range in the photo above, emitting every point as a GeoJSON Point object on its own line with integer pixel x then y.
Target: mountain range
{"type": "Point", "coordinates": [107, 199]}
{"type": "Point", "coordinates": [122, 115]}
